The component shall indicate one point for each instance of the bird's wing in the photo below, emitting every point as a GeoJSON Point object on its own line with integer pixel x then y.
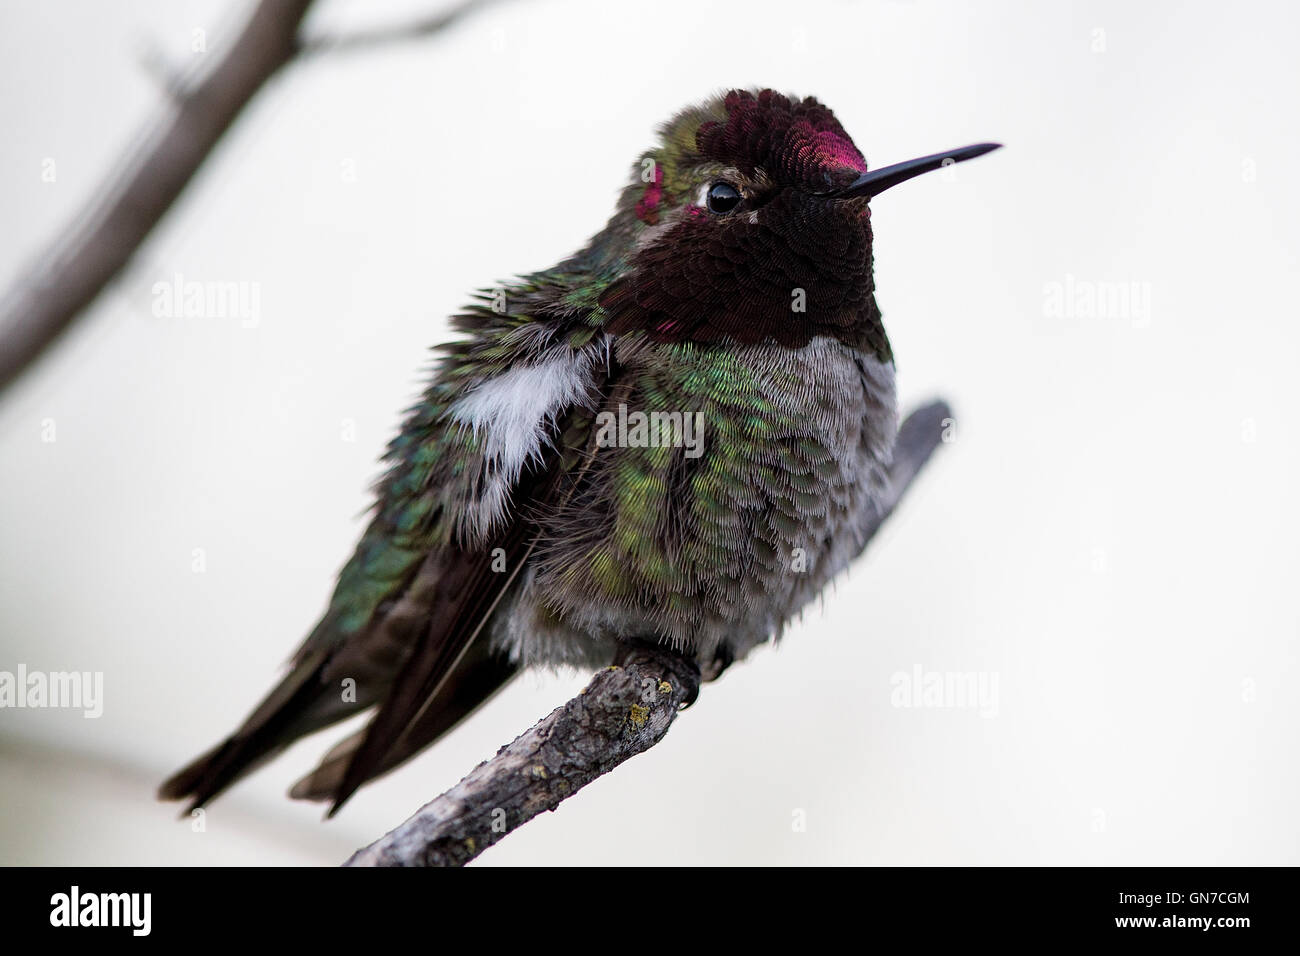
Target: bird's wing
{"type": "Point", "coordinates": [475, 679]}
{"type": "Point", "coordinates": [450, 533]}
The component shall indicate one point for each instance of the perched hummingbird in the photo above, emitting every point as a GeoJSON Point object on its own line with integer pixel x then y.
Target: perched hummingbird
{"type": "Point", "coordinates": [547, 500]}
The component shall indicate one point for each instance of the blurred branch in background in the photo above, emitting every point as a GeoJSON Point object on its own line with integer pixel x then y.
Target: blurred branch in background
{"type": "Point", "coordinates": [380, 36]}
{"type": "Point", "coordinates": [624, 710]}
{"type": "Point", "coordinates": [103, 238]}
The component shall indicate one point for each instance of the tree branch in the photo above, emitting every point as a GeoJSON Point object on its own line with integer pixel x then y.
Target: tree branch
{"type": "Point", "coordinates": [103, 238]}
{"type": "Point", "coordinates": [623, 711]}
{"type": "Point", "coordinates": [381, 36]}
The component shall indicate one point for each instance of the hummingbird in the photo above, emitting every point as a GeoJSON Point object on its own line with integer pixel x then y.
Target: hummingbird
{"type": "Point", "coordinates": [679, 434]}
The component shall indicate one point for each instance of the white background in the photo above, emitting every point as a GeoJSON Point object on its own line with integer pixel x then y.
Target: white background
{"type": "Point", "coordinates": [1113, 534]}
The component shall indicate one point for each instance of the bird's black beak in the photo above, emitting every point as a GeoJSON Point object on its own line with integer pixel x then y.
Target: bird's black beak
{"type": "Point", "coordinates": [878, 180]}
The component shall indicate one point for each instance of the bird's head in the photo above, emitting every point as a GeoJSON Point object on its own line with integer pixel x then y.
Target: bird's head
{"type": "Point", "coordinates": [749, 221]}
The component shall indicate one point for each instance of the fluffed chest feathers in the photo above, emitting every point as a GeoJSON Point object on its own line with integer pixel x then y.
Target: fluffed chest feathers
{"type": "Point", "coordinates": [724, 487]}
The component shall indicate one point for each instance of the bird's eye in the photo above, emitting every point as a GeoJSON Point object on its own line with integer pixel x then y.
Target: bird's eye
{"type": "Point", "coordinates": [723, 197]}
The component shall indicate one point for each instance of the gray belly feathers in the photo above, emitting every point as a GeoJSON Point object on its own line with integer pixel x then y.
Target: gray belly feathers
{"type": "Point", "coordinates": [730, 544]}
